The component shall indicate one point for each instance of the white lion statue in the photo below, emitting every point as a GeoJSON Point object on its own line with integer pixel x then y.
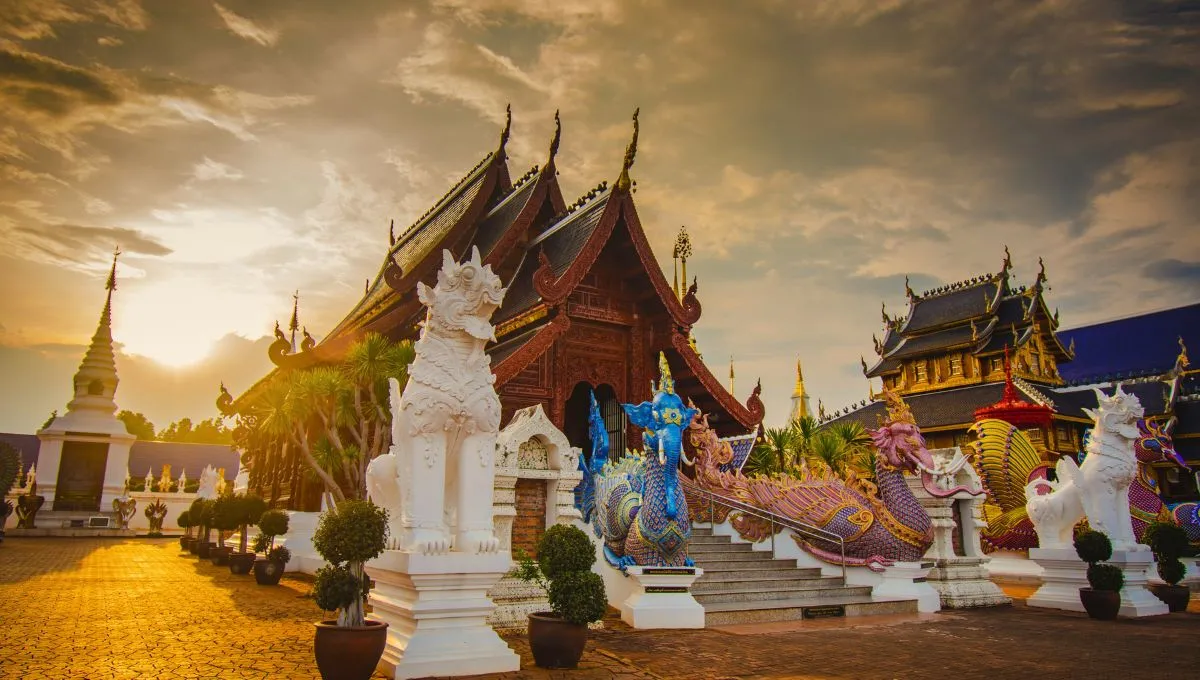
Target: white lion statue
{"type": "Point", "coordinates": [1099, 488]}
{"type": "Point", "coordinates": [436, 481]}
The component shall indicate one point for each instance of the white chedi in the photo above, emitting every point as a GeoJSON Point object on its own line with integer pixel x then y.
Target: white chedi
{"type": "Point", "coordinates": [1099, 488]}
{"type": "Point", "coordinates": [436, 481]}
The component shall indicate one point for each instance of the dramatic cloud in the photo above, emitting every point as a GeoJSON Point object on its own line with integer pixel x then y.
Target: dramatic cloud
{"type": "Point", "coordinates": [245, 28]}
{"type": "Point", "coordinates": [818, 152]}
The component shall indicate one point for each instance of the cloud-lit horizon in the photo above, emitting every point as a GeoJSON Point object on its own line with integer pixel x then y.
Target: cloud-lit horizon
{"type": "Point", "coordinates": [818, 152]}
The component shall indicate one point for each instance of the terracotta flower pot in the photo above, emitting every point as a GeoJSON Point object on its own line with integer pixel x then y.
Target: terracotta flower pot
{"type": "Point", "coordinates": [351, 652]}
{"type": "Point", "coordinates": [219, 555]}
{"type": "Point", "coordinates": [1100, 604]}
{"type": "Point", "coordinates": [1176, 597]}
{"type": "Point", "coordinates": [555, 642]}
{"type": "Point", "coordinates": [268, 572]}
{"type": "Point", "coordinates": [241, 563]}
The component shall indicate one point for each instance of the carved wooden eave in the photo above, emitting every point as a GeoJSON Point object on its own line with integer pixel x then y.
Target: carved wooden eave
{"type": "Point", "coordinates": [543, 338]}
{"type": "Point", "coordinates": [545, 188]}
{"type": "Point", "coordinates": [619, 207]}
{"type": "Point", "coordinates": [749, 415]}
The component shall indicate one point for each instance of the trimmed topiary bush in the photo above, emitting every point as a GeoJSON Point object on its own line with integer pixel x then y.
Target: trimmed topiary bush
{"type": "Point", "coordinates": [271, 524]}
{"type": "Point", "coordinates": [1169, 542]}
{"type": "Point", "coordinates": [347, 536]}
{"type": "Point", "coordinates": [1094, 547]}
{"type": "Point", "coordinates": [565, 558]}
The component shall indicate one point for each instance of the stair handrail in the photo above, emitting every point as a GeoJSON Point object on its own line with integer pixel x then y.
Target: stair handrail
{"type": "Point", "coordinates": [802, 528]}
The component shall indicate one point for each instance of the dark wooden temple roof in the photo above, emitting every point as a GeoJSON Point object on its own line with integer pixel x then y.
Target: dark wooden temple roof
{"type": "Point", "coordinates": [983, 315]}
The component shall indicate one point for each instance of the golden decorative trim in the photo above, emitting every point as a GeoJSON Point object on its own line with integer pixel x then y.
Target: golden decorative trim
{"type": "Point", "coordinates": [521, 320]}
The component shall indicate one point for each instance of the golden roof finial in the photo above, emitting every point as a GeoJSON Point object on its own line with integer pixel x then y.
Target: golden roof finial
{"type": "Point", "coordinates": [820, 409]}
{"type": "Point", "coordinates": [392, 233]}
{"type": "Point", "coordinates": [883, 313]}
{"type": "Point", "coordinates": [974, 331]}
{"type": "Point", "coordinates": [1007, 260]}
{"type": "Point", "coordinates": [731, 374]}
{"type": "Point", "coordinates": [908, 291]}
{"type": "Point", "coordinates": [665, 382]}
{"type": "Point", "coordinates": [623, 182]}
{"type": "Point", "coordinates": [557, 137]}
{"type": "Point", "coordinates": [295, 323]}
{"type": "Point", "coordinates": [799, 376]}
{"type": "Point", "coordinates": [1041, 277]}
{"type": "Point", "coordinates": [1182, 360]}
{"type": "Point", "coordinates": [507, 127]}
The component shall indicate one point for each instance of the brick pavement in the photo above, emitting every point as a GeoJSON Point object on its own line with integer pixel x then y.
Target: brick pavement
{"type": "Point", "coordinates": [106, 609]}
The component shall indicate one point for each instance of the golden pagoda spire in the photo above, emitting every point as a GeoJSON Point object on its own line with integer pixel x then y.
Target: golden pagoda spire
{"type": "Point", "coordinates": [96, 380]}
{"type": "Point", "coordinates": [623, 181]}
{"type": "Point", "coordinates": [731, 374]}
{"type": "Point", "coordinates": [800, 401]}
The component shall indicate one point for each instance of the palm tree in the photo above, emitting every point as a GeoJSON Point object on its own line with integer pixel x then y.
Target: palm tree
{"type": "Point", "coordinates": [860, 450]}
{"type": "Point", "coordinates": [829, 452]}
{"type": "Point", "coordinates": [773, 451]}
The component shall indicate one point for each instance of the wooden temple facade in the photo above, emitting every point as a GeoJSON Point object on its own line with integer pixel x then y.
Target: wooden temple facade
{"type": "Point", "coordinates": [587, 305]}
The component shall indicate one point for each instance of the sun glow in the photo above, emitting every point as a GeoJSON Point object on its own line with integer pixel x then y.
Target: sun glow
{"type": "Point", "coordinates": [177, 322]}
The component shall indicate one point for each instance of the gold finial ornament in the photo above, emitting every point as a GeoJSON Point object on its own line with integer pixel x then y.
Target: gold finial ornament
{"type": "Point", "coordinates": [820, 409]}
{"type": "Point", "coordinates": [557, 136]}
{"type": "Point", "coordinates": [1041, 277]}
{"type": "Point", "coordinates": [680, 255]}
{"type": "Point", "coordinates": [883, 313]}
{"type": "Point", "coordinates": [908, 291]}
{"type": "Point", "coordinates": [623, 182]}
{"type": "Point", "coordinates": [731, 374]}
{"type": "Point", "coordinates": [974, 331]}
{"type": "Point", "coordinates": [392, 233]}
{"type": "Point", "coordinates": [665, 382]}
{"type": "Point", "coordinates": [1007, 260]}
{"type": "Point", "coordinates": [1181, 361]}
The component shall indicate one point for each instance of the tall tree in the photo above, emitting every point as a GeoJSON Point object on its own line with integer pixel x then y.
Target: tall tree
{"type": "Point", "coordinates": [137, 424]}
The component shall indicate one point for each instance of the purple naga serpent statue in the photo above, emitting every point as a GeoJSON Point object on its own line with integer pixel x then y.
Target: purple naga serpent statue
{"type": "Point", "coordinates": [1007, 460]}
{"type": "Point", "coordinates": [881, 522]}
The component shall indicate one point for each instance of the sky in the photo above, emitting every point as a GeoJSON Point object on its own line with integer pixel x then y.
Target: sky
{"type": "Point", "coordinates": [817, 151]}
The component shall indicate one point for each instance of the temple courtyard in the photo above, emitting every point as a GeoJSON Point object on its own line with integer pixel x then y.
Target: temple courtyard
{"type": "Point", "coordinates": [134, 608]}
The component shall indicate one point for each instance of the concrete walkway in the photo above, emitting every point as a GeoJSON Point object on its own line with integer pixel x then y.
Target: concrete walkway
{"type": "Point", "coordinates": [133, 608]}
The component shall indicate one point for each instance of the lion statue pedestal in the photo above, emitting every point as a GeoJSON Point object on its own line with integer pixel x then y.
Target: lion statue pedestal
{"type": "Point", "coordinates": [436, 484]}
{"type": "Point", "coordinates": [1097, 489]}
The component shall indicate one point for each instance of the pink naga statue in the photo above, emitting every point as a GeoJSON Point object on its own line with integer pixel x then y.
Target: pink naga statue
{"type": "Point", "coordinates": [881, 522]}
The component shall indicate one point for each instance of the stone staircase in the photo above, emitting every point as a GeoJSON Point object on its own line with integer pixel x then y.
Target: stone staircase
{"type": "Point", "coordinates": [740, 585]}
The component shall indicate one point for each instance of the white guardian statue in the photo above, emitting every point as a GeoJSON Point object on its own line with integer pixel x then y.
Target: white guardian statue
{"type": "Point", "coordinates": [436, 481]}
{"type": "Point", "coordinates": [1097, 489]}
{"type": "Point", "coordinates": [208, 483]}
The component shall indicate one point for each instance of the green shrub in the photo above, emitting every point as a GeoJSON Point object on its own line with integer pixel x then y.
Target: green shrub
{"type": "Point", "coordinates": [184, 520]}
{"type": "Point", "coordinates": [336, 587]}
{"type": "Point", "coordinates": [566, 555]}
{"type": "Point", "coordinates": [1167, 539]}
{"type": "Point", "coordinates": [1171, 571]}
{"type": "Point", "coordinates": [273, 523]}
{"type": "Point", "coordinates": [1093, 546]}
{"type": "Point", "coordinates": [347, 536]}
{"type": "Point", "coordinates": [578, 596]}
{"type": "Point", "coordinates": [564, 549]}
{"type": "Point", "coordinates": [226, 513]}
{"type": "Point", "coordinates": [1105, 577]}
{"type": "Point", "coordinates": [279, 554]}
{"type": "Point", "coordinates": [354, 531]}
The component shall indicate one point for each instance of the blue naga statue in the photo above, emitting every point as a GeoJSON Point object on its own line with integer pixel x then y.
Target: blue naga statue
{"type": "Point", "coordinates": [636, 504]}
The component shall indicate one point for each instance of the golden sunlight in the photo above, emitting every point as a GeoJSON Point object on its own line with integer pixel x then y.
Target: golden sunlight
{"type": "Point", "coordinates": [177, 321]}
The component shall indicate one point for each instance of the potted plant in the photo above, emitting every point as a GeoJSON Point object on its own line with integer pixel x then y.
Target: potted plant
{"type": "Point", "coordinates": [250, 509]}
{"type": "Point", "coordinates": [1103, 599]}
{"type": "Point", "coordinates": [1169, 541]}
{"type": "Point", "coordinates": [185, 522]}
{"type": "Point", "coordinates": [269, 569]}
{"type": "Point", "coordinates": [565, 556]}
{"type": "Point", "coordinates": [349, 647]}
{"type": "Point", "coordinates": [202, 517]}
{"type": "Point", "coordinates": [225, 519]}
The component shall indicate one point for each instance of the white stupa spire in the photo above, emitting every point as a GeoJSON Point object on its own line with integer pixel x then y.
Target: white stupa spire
{"type": "Point", "coordinates": [93, 407]}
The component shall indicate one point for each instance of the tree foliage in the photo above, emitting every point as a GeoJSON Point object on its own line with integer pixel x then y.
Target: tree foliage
{"type": "Point", "coordinates": [137, 424]}
{"type": "Point", "coordinates": [210, 431]}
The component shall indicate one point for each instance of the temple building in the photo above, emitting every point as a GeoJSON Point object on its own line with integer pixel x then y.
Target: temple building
{"type": "Point", "coordinates": [587, 305]}
{"type": "Point", "coordinates": [986, 346]}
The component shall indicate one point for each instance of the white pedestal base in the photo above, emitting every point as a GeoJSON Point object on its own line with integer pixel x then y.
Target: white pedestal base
{"type": "Point", "coordinates": [436, 607]}
{"type": "Point", "coordinates": [1063, 574]}
{"type": "Point", "coordinates": [1136, 600]}
{"type": "Point", "coordinates": [903, 581]}
{"type": "Point", "coordinates": [661, 598]}
{"type": "Point", "coordinates": [962, 583]}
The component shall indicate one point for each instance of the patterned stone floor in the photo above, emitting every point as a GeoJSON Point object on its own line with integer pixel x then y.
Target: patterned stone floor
{"type": "Point", "coordinates": [133, 608]}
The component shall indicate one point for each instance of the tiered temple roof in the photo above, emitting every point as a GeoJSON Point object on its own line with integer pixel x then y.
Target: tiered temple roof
{"type": "Point", "coordinates": [544, 250]}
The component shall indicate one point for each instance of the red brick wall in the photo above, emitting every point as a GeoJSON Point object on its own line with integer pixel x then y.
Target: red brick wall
{"type": "Point", "coordinates": [530, 522]}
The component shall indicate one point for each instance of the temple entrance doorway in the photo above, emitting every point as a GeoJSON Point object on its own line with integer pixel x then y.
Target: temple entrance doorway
{"type": "Point", "coordinates": [575, 419]}
{"type": "Point", "coordinates": [80, 476]}
{"type": "Point", "coordinates": [530, 522]}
